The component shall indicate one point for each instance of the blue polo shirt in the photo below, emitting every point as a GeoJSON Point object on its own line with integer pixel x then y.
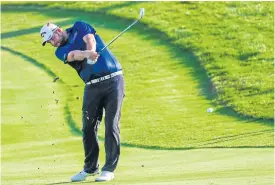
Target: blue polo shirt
{"type": "Point", "coordinates": [106, 63]}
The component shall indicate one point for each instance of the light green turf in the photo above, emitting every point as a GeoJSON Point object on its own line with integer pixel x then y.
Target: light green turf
{"type": "Point", "coordinates": [42, 163]}
{"type": "Point", "coordinates": [41, 149]}
{"type": "Point", "coordinates": [30, 111]}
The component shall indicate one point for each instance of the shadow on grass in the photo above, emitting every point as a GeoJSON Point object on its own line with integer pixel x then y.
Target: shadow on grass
{"type": "Point", "coordinates": [76, 131]}
{"type": "Point", "coordinates": [30, 60]}
{"type": "Point", "coordinates": [246, 56]}
{"type": "Point", "coordinates": [268, 91]}
{"type": "Point", "coordinates": [246, 119]}
{"type": "Point", "coordinates": [234, 137]}
{"type": "Point", "coordinates": [62, 182]}
{"type": "Point", "coordinates": [69, 182]}
{"type": "Point", "coordinates": [72, 124]}
{"type": "Point", "coordinates": [30, 30]}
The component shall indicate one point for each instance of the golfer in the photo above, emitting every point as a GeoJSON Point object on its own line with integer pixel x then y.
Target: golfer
{"type": "Point", "coordinates": [77, 46]}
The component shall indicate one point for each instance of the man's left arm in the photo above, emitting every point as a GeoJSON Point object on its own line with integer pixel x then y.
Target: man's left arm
{"type": "Point", "coordinates": [89, 53]}
{"type": "Point", "coordinates": [87, 33]}
{"type": "Point", "coordinates": [90, 41]}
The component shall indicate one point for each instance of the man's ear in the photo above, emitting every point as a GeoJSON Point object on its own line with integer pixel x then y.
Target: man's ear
{"type": "Point", "coordinates": [59, 30]}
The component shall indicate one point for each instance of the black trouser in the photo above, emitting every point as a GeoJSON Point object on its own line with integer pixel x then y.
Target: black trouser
{"type": "Point", "coordinates": [109, 95]}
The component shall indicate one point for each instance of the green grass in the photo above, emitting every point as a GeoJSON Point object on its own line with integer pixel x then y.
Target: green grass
{"type": "Point", "coordinates": [43, 163]}
{"type": "Point", "coordinates": [28, 86]}
{"type": "Point", "coordinates": [165, 107]}
{"type": "Point", "coordinates": [233, 41]}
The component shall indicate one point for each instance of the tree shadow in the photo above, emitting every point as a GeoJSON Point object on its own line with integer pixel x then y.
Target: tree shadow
{"type": "Point", "coordinates": [72, 124]}
{"type": "Point", "coordinates": [234, 137]}
{"type": "Point", "coordinates": [246, 56]}
{"type": "Point", "coordinates": [30, 30]}
{"type": "Point", "coordinates": [30, 60]}
{"type": "Point", "coordinates": [244, 118]}
{"type": "Point", "coordinates": [268, 91]}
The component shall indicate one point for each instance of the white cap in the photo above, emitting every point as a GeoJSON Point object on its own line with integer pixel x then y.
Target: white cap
{"type": "Point", "coordinates": [47, 31]}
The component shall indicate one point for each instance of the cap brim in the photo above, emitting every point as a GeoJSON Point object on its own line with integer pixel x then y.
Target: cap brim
{"type": "Point", "coordinates": [45, 41]}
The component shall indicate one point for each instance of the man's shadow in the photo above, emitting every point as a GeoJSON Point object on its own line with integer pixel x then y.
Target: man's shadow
{"type": "Point", "coordinates": [70, 182]}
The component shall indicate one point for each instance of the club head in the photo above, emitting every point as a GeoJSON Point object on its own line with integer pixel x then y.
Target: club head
{"type": "Point", "coordinates": [141, 13]}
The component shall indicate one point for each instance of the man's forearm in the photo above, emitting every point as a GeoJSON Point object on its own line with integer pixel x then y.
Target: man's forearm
{"type": "Point", "coordinates": [90, 52]}
{"type": "Point", "coordinates": [91, 46]}
{"type": "Point", "coordinates": [78, 55]}
{"type": "Point", "coordinates": [90, 41]}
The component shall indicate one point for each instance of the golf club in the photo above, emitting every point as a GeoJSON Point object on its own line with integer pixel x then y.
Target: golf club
{"type": "Point", "coordinates": [141, 14]}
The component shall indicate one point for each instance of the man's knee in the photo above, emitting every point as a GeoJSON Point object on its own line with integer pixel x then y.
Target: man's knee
{"type": "Point", "coordinates": [90, 121]}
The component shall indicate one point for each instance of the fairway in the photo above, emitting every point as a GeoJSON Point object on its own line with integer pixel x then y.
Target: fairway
{"type": "Point", "coordinates": [55, 164]}
{"type": "Point", "coordinates": [168, 138]}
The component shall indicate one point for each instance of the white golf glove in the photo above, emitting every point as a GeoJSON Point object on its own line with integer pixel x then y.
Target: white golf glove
{"type": "Point", "coordinates": [89, 61]}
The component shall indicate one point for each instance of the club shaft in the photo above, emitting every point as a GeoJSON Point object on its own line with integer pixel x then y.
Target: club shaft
{"type": "Point", "coordinates": [118, 36]}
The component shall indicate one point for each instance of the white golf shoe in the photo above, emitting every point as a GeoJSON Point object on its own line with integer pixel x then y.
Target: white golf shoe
{"type": "Point", "coordinates": [81, 176]}
{"type": "Point", "coordinates": [105, 176]}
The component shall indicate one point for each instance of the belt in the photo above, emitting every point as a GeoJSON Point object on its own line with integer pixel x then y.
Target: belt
{"type": "Point", "coordinates": [104, 78]}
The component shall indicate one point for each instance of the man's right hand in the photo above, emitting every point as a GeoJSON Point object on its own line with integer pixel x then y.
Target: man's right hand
{"type": "Point", "coordinates": [93, 55]}
{"type": "Point", "coordinates": [78, 55]}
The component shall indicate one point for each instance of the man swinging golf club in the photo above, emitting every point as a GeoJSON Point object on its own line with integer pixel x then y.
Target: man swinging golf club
{"type": "Point", "coordinates": [82, 48]}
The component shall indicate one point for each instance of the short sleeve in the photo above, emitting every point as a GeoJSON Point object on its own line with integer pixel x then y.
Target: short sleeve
{"type": "Point", "coordinates": [83, 28]}
{"type": "Point", "coordinates": [62, 53]}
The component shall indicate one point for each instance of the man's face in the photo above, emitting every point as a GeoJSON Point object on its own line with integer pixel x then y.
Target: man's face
{"type": "Point", "coordinates": [58, 39]}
